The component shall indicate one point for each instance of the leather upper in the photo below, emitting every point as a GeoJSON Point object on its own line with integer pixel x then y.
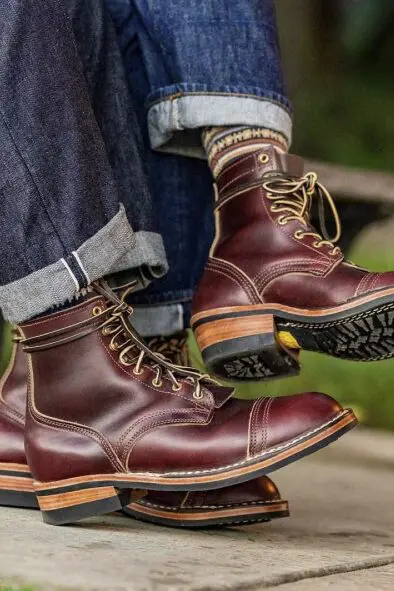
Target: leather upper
{"type": "Point", "coordinates": [13, 393]}
{"type": "Point", "coordinates": [89, 413]}
{"type": "Point", "coordinates": [262, 255]}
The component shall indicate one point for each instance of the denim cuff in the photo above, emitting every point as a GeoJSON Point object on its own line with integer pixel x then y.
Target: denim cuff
{"type": "Point", "coordinates": [112, 249]}
{"type": "Point", "coordinates": [177, 113]}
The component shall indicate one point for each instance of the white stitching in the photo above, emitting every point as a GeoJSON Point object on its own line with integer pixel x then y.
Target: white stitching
{"type": "Point", "coordinates": [229, 506]}
{"type": "Point", "coordinates": [243, 462]}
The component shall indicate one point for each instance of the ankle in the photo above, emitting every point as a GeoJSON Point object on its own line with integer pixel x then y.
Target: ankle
{"type": "Point", "coordinates": [225, 144]}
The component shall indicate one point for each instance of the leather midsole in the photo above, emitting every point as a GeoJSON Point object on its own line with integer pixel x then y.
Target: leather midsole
{"type": "Point", "coordinates": [214, 513]}
{"type": "Point", "coordinates": [317, 315]}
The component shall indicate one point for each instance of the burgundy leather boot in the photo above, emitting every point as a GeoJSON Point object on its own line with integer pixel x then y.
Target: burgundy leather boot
{"type": "Point", "coordinates": [257, 500]}
{"type": "Point", "coordinates": [16, 484]}
{"type": "Point", "coordinates": [274, 285]}
{"type": "Point", "coordinates": [106, 415]}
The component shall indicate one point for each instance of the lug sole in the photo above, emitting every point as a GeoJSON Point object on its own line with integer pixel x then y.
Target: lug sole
{"type": "Point", "coordinates": [73, 499]}
{"type": "Point", "coordinates": [16, 487]}
{"type": "Point", "coordinates": [242, 343]}
{"type": "Point", "coordinates": [202, 517]}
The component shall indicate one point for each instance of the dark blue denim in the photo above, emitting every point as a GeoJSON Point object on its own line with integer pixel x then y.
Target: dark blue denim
{"type": "Point", "coordinates": [70, 160]}
{"type": "Point", "coordinates": [191, 46]}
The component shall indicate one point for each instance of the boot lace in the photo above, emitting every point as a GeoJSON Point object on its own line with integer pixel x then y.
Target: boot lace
{"type": "Point", "coordinates": [133, 351]}
{"type": "Point", "coordinates": [298, 207]}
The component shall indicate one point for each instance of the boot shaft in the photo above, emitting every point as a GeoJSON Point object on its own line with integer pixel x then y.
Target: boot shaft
{"type": "Point", "coordinates": [244, 221]}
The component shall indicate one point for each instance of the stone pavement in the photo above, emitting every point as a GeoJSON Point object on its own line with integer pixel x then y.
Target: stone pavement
{"type": "Point", "coordinates": [340, 536]}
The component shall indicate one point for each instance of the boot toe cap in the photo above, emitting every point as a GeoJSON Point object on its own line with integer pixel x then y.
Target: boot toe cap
{"type": "Point", "coordinates": [283, 419]}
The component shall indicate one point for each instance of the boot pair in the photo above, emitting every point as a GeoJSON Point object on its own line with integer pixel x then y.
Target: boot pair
{"type": "Point", "coordinates": [251, 502]}
{"type": "Point", "coordinates": [107, 416]}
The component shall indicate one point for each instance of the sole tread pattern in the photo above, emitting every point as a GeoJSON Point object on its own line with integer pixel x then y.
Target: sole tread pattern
{"type": "Point", "coordinates": [363, 337]}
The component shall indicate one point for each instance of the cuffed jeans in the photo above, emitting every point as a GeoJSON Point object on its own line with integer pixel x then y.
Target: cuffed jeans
{"type": "Point", "coordinates": [192, 64]}
{"type": "Point", "coordinates": [75, 205]}
{"type": "Point", "coordinates": [75, 201]}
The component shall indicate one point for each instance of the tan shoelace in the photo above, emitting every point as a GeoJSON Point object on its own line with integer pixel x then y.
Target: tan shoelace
{"type": "Point", "coordinates": [298, 207]}
{"type": "Point", "coordinates": [133, 350]}
{"type": "Point", "coordinates": [114, 320]}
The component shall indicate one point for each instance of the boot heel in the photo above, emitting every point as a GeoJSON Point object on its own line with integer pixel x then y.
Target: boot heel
{"type": "Point", "coordinates": [68, 504]}
{"type": "Point", "coordinates": [16, 487]}
{"type": "Point", "coordinates": [244, 347]}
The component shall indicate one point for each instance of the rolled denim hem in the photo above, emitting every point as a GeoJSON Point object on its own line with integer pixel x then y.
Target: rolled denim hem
{"type": "Point", "coordinates": [112, 249]}
{"type": "Point", "coordinates": [151, 321]}
{"type": "Point", "coordinates": [176, 115]}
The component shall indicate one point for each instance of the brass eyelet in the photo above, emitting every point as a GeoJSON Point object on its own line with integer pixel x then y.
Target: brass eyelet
{"type": "Point", "coordinates": [97, 310]}
{"type": "Point", "coordinates": [198, 395]}
{"type": "Point", "coordinates": [138, 373]}
{"type": "Point", "coordinates": [282, 221]}
{"type": "Point", "coordinates": [113, 347]}
{"type": "Point", "coordinates": [176, 388]}
{"type": "Point", "coordinates": [157, 384]}
{"type": "Point", "coordinates": [298, 234]}
{"type": "Point", "coordinates": [105, 332]}
{"type": "Point", "coordinates": [263, 158]}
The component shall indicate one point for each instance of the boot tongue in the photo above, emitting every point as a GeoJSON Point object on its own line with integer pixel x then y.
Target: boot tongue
{"type": "Point", "coordinates": [221, 394]}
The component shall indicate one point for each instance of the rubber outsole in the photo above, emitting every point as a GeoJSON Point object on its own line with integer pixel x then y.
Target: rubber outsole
{"type": "Point", "coordinates": [16, 486]}
{"type": "Point", "coordinates": [69, 500]}
{"type": "Point", "coordinates": [363, 331]}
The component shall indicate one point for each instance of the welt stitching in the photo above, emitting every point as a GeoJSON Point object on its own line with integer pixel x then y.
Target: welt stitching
{"type": "Point", "coordinates": [270, 450]}
{"type": "Point", "coordinates": [336, 322]}
{"type": "Point", "coordinates": [192, 505]}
